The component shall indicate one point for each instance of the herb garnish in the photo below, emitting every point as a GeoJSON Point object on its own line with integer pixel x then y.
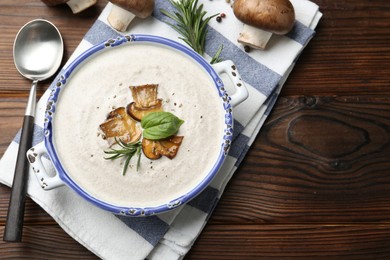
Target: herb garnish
{"type": "Point", "coordinates": [160, 125]}
{"type": "Point", "coordinates": [157, 126]}
{"type": "Point", "coordinates": [216, 57]}
{"type": "Point", "coordinates": [191, 23]}
{"type": "Point", "coordinates": [127, 150]}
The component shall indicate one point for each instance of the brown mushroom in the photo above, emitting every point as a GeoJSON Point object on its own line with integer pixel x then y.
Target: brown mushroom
{"type": "Point", "coordinates": [165, 147]}
{"type": "Point", "coordinates": [124, 11]}
{"type": "Point", "coordinates": [120, 125]}
{"type": "Point", "coordinates": [145, 101]}
{"type": "Point", "coordinates": [150, 149]}
{"type": "Point", "coordinates": [139, 113]}
{"type": "Point", "coordinates": [261, 18]}
{"type": "Point", "coordinates": [145, 95]}
{"type": "Point", "coordinates": [75, 5]}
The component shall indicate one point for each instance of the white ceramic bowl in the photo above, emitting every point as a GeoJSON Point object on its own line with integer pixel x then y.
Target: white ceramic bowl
{"type": "Point", "coordinates": [62, 177]}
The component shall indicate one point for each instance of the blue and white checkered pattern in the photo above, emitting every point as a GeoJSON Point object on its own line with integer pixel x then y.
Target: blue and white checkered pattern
{"type": "Point", "coordinates": [171, 235]}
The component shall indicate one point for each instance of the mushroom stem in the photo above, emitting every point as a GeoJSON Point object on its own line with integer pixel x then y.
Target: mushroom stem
{"type": "Point", "coordinates": [254, 37]}
{"type": "Point", "coordinates": [120, 18]}
{"type": "Point", "coordinates": [79, 5]}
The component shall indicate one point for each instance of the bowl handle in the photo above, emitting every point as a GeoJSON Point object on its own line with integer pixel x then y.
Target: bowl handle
{"type": "Point", "coordinates": [34, 156]}
{"type": "Point", "coordinates": [241, 92]}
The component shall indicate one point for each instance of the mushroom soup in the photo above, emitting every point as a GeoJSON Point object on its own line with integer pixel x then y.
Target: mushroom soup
{"type": "Point", "coordinates": [102, 84]}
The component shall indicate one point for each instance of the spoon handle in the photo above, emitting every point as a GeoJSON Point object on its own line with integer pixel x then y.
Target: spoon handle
{"type": "Point", "coordinates": [14, 225]}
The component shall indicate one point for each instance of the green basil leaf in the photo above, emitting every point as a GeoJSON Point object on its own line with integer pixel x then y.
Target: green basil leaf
{"type": "Point", "coordinates": [160, 125]}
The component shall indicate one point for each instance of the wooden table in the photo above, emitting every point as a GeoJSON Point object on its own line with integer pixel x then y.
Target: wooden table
{"type": "Point", "coordinates": [316, 182]}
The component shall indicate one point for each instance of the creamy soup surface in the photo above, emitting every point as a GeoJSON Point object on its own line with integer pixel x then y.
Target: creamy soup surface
{"type": "Point", "coordinates": [101, 84]}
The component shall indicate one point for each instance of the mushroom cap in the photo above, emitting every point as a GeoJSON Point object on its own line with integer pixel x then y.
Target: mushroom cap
{"type": "Point", "coordinates": [276, 16]}
{"type": "Point", "coordinates": [140, 8]}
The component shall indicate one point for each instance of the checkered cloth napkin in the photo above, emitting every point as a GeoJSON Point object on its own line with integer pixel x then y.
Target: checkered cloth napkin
{"type": "Point", "coordinates": [171, 235]}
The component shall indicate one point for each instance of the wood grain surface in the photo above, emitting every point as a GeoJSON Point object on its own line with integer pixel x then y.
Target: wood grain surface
{"type": "Point", "coordinates": [315, 183]}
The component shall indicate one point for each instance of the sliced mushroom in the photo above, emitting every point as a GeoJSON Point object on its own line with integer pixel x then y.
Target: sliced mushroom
{"type": "Point", "coordinates": [124, 11]}
{"type": "Point", "coordinates": [145, 101]}
{"type": "Point", "coordinates": [120, 125]}
{"type": "Point", "coordinates": [145, 96]}
{"type": "Point", "coordinates": [261, 18]}
{"type": "Point", "coordinates": [165, 147]}
{"type": "Point", "coordinates": [139, 113]}
{"type": "Point", "coordinates": [75, 5]}
{"type": "Point", "coordinates": [150, 149]}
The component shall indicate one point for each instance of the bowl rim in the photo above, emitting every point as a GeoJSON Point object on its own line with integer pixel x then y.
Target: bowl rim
{"type": "Point", "coordinates": [112, 43]}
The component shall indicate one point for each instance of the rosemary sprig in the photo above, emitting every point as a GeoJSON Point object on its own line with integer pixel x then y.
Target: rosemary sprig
{"type": "Point", "coordinates": [191, 23]}
{"type": "Point", "coordinates": [216, 57]}
{"type": "Point", "coordinates": [127, 151]}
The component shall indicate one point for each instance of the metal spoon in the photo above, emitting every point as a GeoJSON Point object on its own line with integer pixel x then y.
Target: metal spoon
{"type": "Point", "coordinates": [38, 51]}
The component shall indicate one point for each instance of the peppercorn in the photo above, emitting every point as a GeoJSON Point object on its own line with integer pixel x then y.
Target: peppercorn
{"type": "Point", "coordinates": [219, 19]}
{"type": "Point", "coordinates": [223, 15]}
{"type": "Point", "coordinates": [247, 48]}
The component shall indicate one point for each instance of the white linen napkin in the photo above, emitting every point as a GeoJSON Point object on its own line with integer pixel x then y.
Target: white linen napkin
{"type": "Point", "coordinates": [171, 235]}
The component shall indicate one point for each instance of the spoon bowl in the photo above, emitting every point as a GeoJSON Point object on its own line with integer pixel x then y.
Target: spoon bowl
{"type": "Point", "coordinates": [38, 51]}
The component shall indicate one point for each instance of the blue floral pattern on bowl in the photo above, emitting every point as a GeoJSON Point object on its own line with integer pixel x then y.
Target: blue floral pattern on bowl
{"type": "Point", "coordinates": [112, 43]}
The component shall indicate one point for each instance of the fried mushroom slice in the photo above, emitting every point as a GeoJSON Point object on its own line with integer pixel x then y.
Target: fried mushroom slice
{"type": "Point", "coordinates": [150, 149]}
{"type": "Point", "coordinates": [120, 125]}
{"type": "Point", "coordinates": [145, 101]}
{"type": "Point", "coordinates": [139, 113]}
{"type": "Point", "coordinates": [145, 96]}
{"type": "Point", "coordinates": [165, 147]}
